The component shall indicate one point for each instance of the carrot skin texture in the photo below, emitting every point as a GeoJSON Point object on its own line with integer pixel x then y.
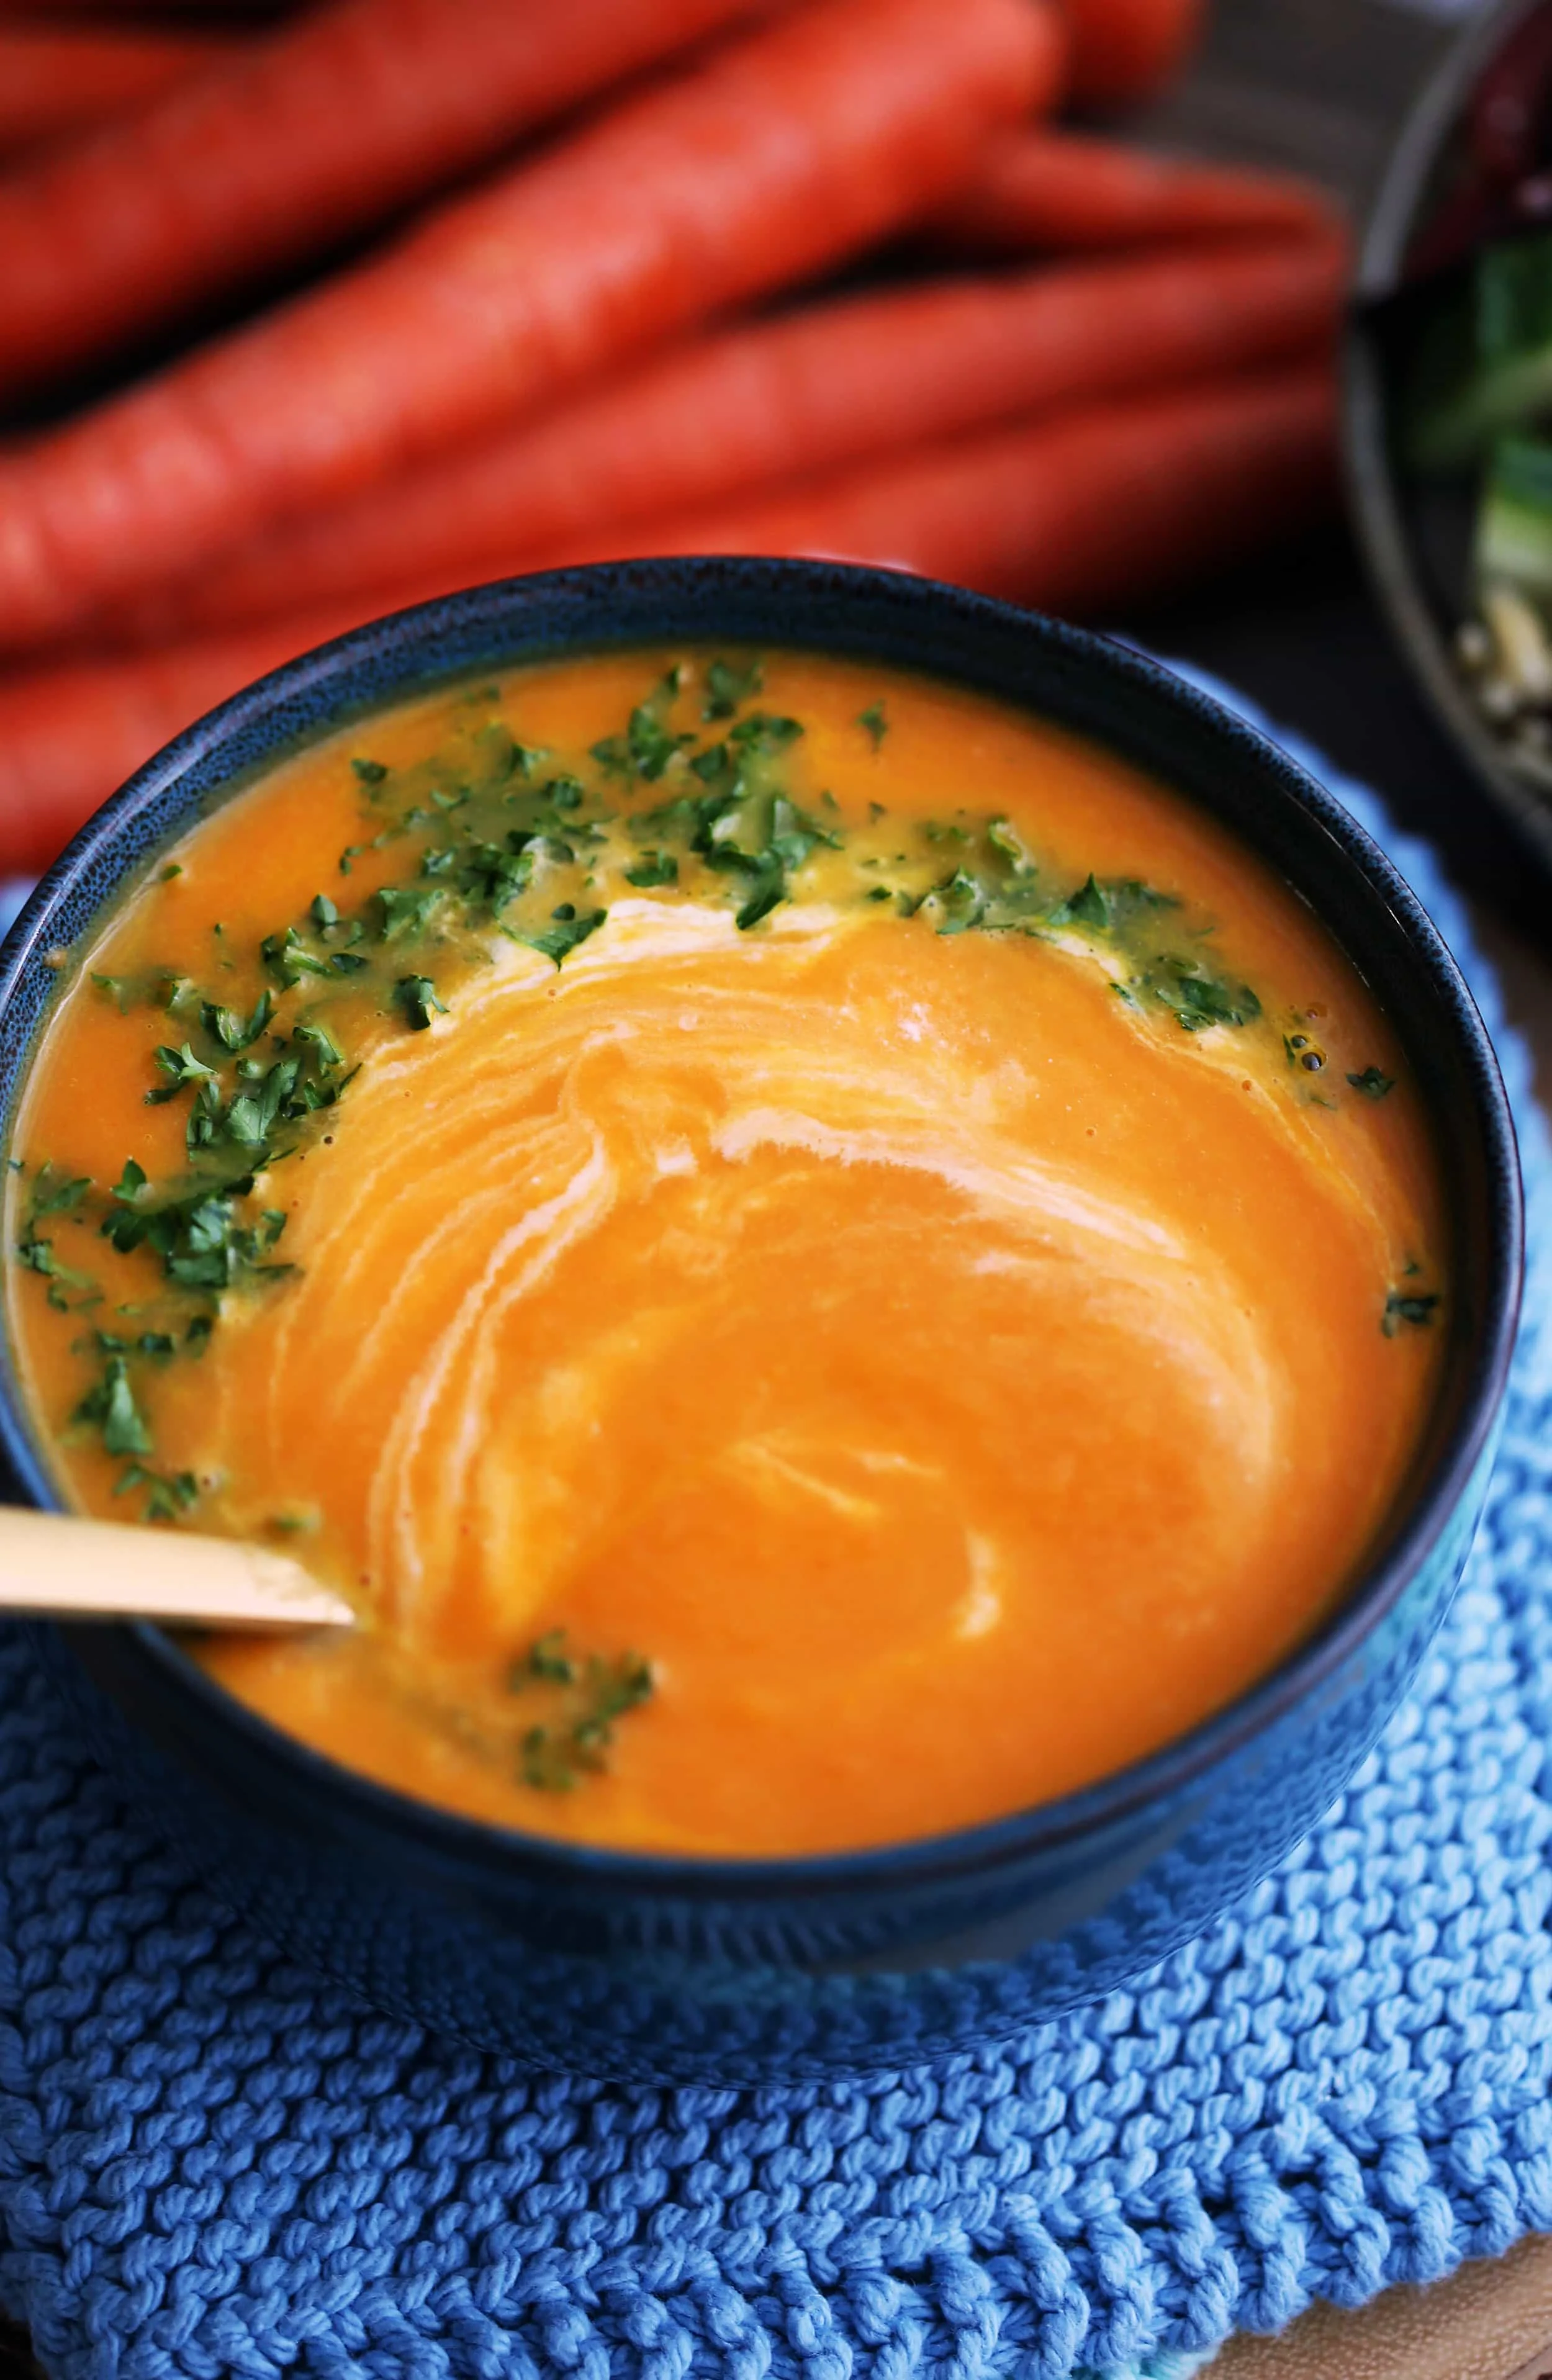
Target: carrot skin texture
{"type": "Point", "coordinates": [1043, 189]}
{"type": "Point", "coordinates": [211, 11]}
{"type": "Point", "coordinates": [76, 728]}
{"type": "Point", "coordinates": [1125, 51]}
{"type": "Point", "coordinates": [843, 381]}
{"type": "Point", "coordinates": [1078, 513]}
{"type": "Point", "coordinates": [54, 84]}
{"type": "Point", "coordinates": [780, 153]}
{"type": "Point", "coordinates": [300, 137]}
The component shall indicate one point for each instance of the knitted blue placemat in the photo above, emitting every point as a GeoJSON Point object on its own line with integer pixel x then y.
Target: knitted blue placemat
{"type": "Point", "coordinates": [212, 2164]}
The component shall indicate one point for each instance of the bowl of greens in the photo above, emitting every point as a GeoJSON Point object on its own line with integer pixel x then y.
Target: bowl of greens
{"type": "Point", "coordinates": [1448, 405]}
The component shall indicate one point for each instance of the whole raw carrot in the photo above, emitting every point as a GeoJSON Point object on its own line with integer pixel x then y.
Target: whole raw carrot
{"type": "Point", "coordinates": [776, 400]}
{"type": "Point", "coordinates": [1062, 190]}
{"type": "Point", "coordinates": [317, 129]}
{"type": "Point", "coordinates": [1081, 514]}
{"type": "Point", "coordinates": [778, 154]}
{"type": "Point", "coordinates": [74, 730]}
{"type": "Point", "coordinates": [54, 82]}
{"type": "Point", "coordinates": [1078, 513]}
{"type": "Point", "coordinates": [191, 9]}
{"type": "Point", "coordinates": [1127, 50]}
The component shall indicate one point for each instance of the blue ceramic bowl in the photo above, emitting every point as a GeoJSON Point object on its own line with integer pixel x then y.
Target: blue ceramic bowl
{"type": "Point", "coordinates": [674, 1968]}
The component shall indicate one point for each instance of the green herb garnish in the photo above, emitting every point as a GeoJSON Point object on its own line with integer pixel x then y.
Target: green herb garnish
{"type": "Point", "coordinates": [648, 743]}
{"type": "Point", "coordinates": [653, 868]}
{"type": "Point", "coordinates": [201, 1237]}
{"type": "Point", "coordinates": [560, 937]}
{"type": "Point", "coordinates": [590, 1695]}
{"type": "Point", "coordinates": [234, 1032]}
{"type": "Point", "coordinates": [548, 1659]}
{"type": "Point", "coordinates": [168, 1495]}
{"type": "Point", "coordinates": [145, 1342]}
{"type": "Point", "coordinates": [727, 687]}
{"type": "Point", "coordinates": [1199, 999]}
{"type": "Point", "coordinates": [183, 1070]}
{"type": "Point", "coordinates": [406, 909]}
{"type": "Point", "coordinates": [416, 994]}
{"type": "Point", "coordinates": [290, 957]}
{"type": "Point", "coordinates": [53, 1195]}
{"type": "Point", "coordinates": [1086, 906]}
{"type": "Point", "coordinates": [110, 1406]}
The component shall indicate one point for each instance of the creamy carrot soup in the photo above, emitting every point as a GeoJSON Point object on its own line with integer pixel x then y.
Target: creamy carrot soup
{"type": "Point", "coordinates": [821, 1259]}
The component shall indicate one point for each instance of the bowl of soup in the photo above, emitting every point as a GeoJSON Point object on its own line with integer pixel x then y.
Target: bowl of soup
{"type": "Point", "coordinates": [879, 1249]}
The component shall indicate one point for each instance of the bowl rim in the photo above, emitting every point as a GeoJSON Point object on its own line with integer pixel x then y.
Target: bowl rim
{"type": "Point", "coordinates": [1162, 1777]}
{"type": "Point", "coordinates": [1371, 480]}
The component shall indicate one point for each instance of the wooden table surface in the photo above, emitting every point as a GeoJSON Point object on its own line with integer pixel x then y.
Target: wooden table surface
{"type": "Point", "coordinates": [1320, 86]}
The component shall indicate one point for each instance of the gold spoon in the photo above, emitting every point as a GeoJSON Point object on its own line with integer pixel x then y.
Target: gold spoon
{"type": "Point", "coordinates": [60, 1568]}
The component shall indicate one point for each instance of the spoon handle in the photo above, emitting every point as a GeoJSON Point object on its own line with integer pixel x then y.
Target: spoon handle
{"type": "Point", "coordinates": [68, 1569]}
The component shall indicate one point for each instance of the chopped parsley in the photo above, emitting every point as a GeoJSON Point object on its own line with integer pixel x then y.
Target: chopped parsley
{"type": "Point", "coordinates": [1198, 999]}
{"type": "Point", "coordinates": [168, 1495]}
{"type": "Point", "coordinates": [648, 743]}
{"type": "Point", "coordinates": [873, 723]}
{"type": "Point", "coordinates": [588, 1695]}
{"type": "Point", "coordinates": [182, 1068]}
{"type": "Point", "coordinates": [727, 686]}
{"type": "Point", "coordinates": [1372, 1083]}
{"type": "Point", "coordinates": [290, 957]}
{"type": "Point", "coordinates": [416, 994]}
{"type": "Point", "coordinates": [145, 1342]}
{"type": "Point", "coordinates": [653, 868]}
{"type": "Point", "coordinates": [1404, 1307]}
{"type": "Point", "coordinates": [235, 1032]}
{"type": "Point", "coordinates": [406, 909]}
{"type": "Point", "coordinates": [560, 937]}
{"type": "Point", "coordinates": [110, 1406]}
{"type": "Point", "coordinates": [53, 1195]}
{"type": "Point", "coordinates": [203, 1236]}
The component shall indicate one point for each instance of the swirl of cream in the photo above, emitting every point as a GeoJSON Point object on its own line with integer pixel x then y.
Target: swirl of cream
{"type": "Point", "coordinates": [580, 1178]}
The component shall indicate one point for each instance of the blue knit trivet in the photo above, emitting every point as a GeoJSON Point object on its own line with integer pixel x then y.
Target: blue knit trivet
{"type": "Point", "coordinates": [212, 2164]}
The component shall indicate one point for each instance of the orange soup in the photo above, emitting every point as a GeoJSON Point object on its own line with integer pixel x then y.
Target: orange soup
{"type": "Point", "coordinates": [820, 1259]}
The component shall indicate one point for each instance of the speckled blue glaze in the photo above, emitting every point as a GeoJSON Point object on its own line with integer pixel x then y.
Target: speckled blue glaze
{"type": "Point", "coordinates": [651, 1968]}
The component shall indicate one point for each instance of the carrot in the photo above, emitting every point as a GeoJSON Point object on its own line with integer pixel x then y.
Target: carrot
{"type": "Point", "coordinates": [54, 83]}
{"type": "Point", "coordinates": [1080, 515]}
{"type": "Point", "coordinates": [1127, 50]}
{"type": "Point", "coordinates": [764, 402]}
{"type": "Point", "coordinates": [71, 731]}
{"type": "Point", "coordinates": [72, 10]}
{"type": "Point", "coordinates": [295, 141]}
{"type": "Point", "coordinates": [1050, 189]}
{"type": "Point", "coordinates": [781, 153]}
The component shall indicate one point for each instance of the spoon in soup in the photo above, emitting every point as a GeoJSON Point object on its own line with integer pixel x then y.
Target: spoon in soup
{"type": "Point", "coordinates": [61, 1568]}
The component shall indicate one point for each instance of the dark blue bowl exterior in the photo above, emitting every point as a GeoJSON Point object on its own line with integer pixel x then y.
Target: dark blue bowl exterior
{"type": "Point", "coordinates": [673, 1970]}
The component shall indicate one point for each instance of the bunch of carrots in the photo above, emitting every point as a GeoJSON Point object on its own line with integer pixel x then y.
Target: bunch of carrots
{"type": "Point", "coordinates": [569, 303]}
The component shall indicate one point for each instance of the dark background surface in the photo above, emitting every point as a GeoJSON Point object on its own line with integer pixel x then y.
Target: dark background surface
{"type": "Point", "coordinates": [1319, 86]}
{"type": "Point", "coordinates": [1302, 636]}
